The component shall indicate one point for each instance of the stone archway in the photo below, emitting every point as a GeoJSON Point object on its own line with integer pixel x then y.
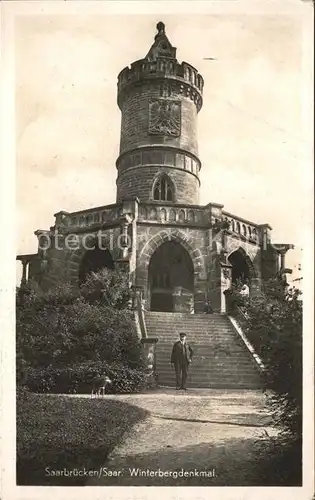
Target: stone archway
{"type": "Point", "coordinates": [171, 278]}
{"type": "Point", "coordinates": [242, 267]}
{"type": "Point", "coordinates": [187, 240]}
{"type": "Point", "coordinates": [93, 261]}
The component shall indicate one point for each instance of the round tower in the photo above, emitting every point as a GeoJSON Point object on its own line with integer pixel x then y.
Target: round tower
{"type": "Point", "coordinates": [159, 99]}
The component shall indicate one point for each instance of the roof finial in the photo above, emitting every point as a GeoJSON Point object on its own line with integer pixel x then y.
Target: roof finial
{"type": "Point", "coordinates": [161, 28]}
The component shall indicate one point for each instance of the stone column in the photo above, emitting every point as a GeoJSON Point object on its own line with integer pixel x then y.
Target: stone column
{"type": "Point", "coordinates": [24, 272]}
{"type": "Point", "coordinates": [282, 259]}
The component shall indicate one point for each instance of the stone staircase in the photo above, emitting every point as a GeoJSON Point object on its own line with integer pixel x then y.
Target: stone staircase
{"type": "Point", "coordinates": [221, 360]}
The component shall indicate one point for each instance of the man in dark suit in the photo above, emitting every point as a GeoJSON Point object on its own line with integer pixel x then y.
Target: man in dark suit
{"type": "Point", "coordinates": [181, 358]}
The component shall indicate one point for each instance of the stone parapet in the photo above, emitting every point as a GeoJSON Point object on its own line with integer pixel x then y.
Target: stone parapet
{"type": "Point", "coordinates": [163, 213]}
{"type": "Point", "coordinates": [92, 217]}
{"type": "Point", "coordinates": [243, 228]}
{"type": "Point", "coordinates": [183, 78]}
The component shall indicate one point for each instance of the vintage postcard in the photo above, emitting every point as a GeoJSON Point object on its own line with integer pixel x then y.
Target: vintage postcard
{"type": "Point", "coordinates": [157, 272]}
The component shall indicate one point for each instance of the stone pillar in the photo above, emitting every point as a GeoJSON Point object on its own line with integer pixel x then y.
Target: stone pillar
{"type": "Point", "coordinates": [200, 295]}
{"type": "Point", "coordinates": [138, 296]}
{"type": "Point", "coordinates": [269, 262]}
{"type": "Point", "coordinates": [265, 236]}
{"type": "Point", "coordinates": [214, 284]}
{"type": "Point", "coordinates": [282, 259]}
{"type": "Point", "coordinates": [24, 272]}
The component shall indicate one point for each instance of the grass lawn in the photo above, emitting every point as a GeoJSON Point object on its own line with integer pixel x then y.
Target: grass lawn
{"type": "Point", "coordinates": [56, 434]}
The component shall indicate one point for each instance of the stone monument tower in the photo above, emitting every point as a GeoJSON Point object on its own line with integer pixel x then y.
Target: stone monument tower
{"type": "Point", "coordinates": [178, 254]}
{"type": "Point", "coordinates": [159, 100]}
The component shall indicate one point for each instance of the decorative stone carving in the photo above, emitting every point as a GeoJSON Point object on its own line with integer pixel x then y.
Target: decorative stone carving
{"type": "Point", "coordinates": [165, 117]}
{"type": "Point", "coordinates": [181, 216]}
{"type": "Point", "coordinates": [191, 216]}
{"type": "Point", "coordinates": [172, 215]}
{"type": "Point", "coordinates": [143, 213]}
{"type": "Point", "coordinates": [153, 214]}
{"type": "Point", "coordinates": [163, 215]}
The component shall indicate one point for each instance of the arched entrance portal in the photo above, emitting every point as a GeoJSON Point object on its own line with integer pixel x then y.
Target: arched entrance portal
{"type": "Point", "coordinates": [171, 278]}
{"type": "Point", "coordinates": [242, 268]}
{"type": "Point", "coordinates": [93, 261]}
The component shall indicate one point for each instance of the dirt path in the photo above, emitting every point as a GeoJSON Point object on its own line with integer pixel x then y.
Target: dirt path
{"type": "Point", "coordinates": [193, 438]}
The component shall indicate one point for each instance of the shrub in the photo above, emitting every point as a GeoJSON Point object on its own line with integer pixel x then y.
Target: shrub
{"type": "Point", "coordinates": [275, 330]}
{"type": "Point", "coordinates": [107, 286]}
{"type": "Point", "coordinates": [65, 328]}
{"type": "Point", "coordinates": [61, 335]}
{"type": "Point", "coordinates": [78, 378]}
{"type": "Point", "coordinates": [233, 297]}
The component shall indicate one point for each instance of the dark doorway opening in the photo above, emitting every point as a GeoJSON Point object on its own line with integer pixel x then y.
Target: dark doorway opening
{"type": "Point", "coordinates": [93, 261]}
{"type": "Point", "coordinates": [171, 278]}
{"type": "Point", "coordinates": [241, 271]}
{"type": "Point", "coordinates": [162, 301]}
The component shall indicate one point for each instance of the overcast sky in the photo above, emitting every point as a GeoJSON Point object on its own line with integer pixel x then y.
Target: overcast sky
{"type": "Point", "coordinates": [251, 132]}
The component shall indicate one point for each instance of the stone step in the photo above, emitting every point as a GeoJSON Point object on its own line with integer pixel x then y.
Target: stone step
{"type": "Point", "coordinates": [209, 336]}
{"type": "Point", "coordinates": [168, 336]}
{"type": "Point", "coordinates": [211, 350]}
{"type": "Point", "coordinates": [207, 375]}
{"type": "Point", "coordinates": [214, 384]}
{"type": "Point", "coordinates": [206, 361]}
{"type": "Point", "coordinates": [201, 340]}
{"type": "Point", "coordinates": [205, 372]}
{"type": "Point", "coordinates": [208, 357]}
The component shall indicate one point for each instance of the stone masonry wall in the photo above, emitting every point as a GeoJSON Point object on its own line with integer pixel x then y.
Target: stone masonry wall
{"type": "Point", "coordinates": [139, 183]}
{"type": "Point", "coordinates": [135, 120]}
{"type": "Point", "coordinates": [63, 264]}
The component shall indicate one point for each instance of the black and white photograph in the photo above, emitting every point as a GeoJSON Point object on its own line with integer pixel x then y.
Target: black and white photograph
{"type": "Point", "coordinates": [162, 303]}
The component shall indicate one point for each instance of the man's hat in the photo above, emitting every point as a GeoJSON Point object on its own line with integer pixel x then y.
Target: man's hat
{"type": "Point", "coordinates": [182, 334]}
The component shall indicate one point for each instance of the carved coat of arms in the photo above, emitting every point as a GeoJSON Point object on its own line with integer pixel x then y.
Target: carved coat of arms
{"type": "Point", "coordinates": [164, 117]}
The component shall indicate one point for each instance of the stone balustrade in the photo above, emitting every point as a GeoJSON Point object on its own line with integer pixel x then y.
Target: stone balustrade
{"type": "Point", "coordinates": [88, 218]}
{"type": "Point", "coordinates": [243, 228]}
{"type": "Point", "coordinates": [170, 214]}
{"type": "Point", "coordinates": [160, 213]}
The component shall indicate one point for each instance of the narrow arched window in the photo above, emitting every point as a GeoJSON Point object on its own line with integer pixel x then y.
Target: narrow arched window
{"type": "Point", "coordinates": [163, 190]}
